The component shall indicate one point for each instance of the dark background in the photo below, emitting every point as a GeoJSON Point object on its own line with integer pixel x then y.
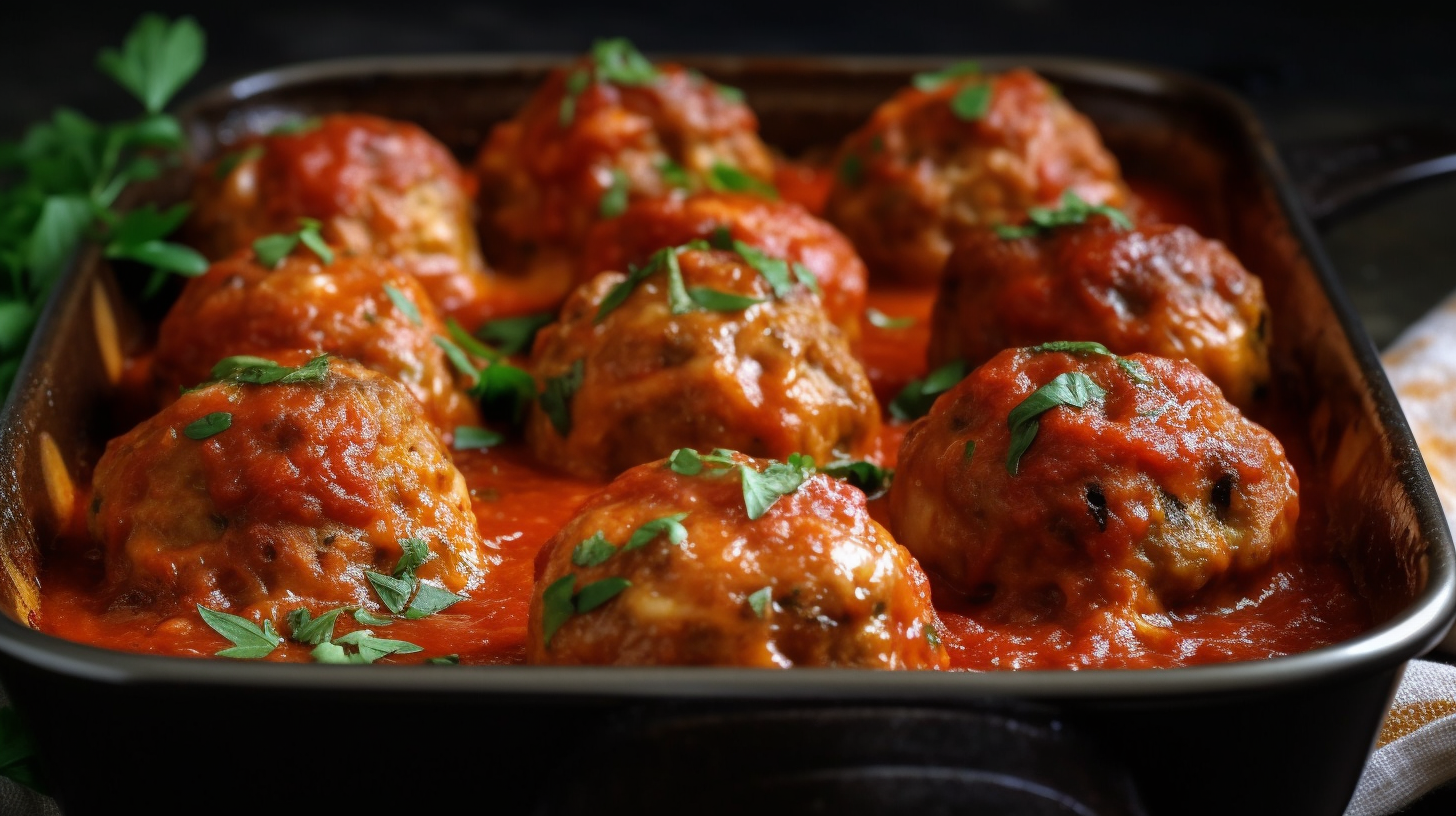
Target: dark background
{"type": "Point", "coordinates": [1315, 73]}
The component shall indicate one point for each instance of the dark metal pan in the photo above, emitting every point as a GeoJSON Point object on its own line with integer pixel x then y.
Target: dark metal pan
{"type": "Point", "coordinates": [1288, 734]}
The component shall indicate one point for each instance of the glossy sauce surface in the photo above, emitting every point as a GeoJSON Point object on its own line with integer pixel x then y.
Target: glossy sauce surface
{"type": "Point", "coordinates": [1289, 607]}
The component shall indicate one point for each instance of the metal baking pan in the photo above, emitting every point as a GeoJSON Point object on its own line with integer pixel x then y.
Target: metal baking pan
{"type": "Point", "coordinates": [1289, 734]}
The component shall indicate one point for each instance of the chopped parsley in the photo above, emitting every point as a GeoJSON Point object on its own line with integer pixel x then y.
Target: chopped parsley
{"type": "Point", "coordinates": [514, 335]}
{"type": "Point", "coordinates": [761, 490]}
{"type": "Point", "coordinates": [1072, 210]}
{"type": "Point", "coordinates": [619, 62]}
{"type": "Point", "coordinates": [297, 126]}
{"type": "Point", "coordinates": [1072, 389]}
{"type": "Point", "coordinates": [1134, 371]}
{"type": "Point", "coordinates": [867, 476]}
{"type": "Point", "coordinates": [614, 200]}
{"type": "Point", "coordinates": [270, 250]}
{"type": "Point", "coordinates": [504, 391]}
{"type": "Point", "coordinates": [250, 642]}
{"type": "Point", "coordinates": [760, 601]}
{"type": "Point", "coordinates": [971, 103]}
{"type": "Point", "coordinates": [880, 320]}
{"type": "Point", "coordinates": [230, 161]}
{"type": "Point", "coordinates": [555, 398]}
{"type": "Point", "coordinates": [559, 602]}
{"type": "Point", "coordinates": [214, 423]}
{"type": "Point", "coordinates": [725, 178]}
{"type": "Point", "coordinates": [470, 437]}
{"type": "Point", "coordinates": [405, 306]}
{"type": "Point", "coordinates": [671, 526]}
{"type": "Point", "coordinates": [304, 628]}
{"type": "Point", "coordinates": [915, 399]}
{"type": "Point", "coordinates": [674, 175]}
{"type": "Point", "coordinates": [1076, 347]}
{"type": "Point", "coordinates": [593, 550]}
{"type": "Point", "coordinates": [931, 80]}
{"type": "Point", "coordinates": [244, 368]}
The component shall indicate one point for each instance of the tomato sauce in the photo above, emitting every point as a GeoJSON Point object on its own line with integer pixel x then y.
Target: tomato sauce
{"type": "Point", "coordinates": [1286, 608]}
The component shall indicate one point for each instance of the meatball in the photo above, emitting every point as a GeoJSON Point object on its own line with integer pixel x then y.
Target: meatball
{"type": "Point", "coordinates": [699, 348]}
{"type": "Point", "coordinates": [780, 229]}
{"type": "Point", "coordinates": [812, 581]}
{"type": "Point", "coordinates": [253, 497]}
{"type": "Point", "coordinates": [345, 308]}
{"type": "Point", "coordinates": [379, 186]}
{"type": "Point", "coordinates": [958, 151]}
{"type": "Point", "coordinates": [1160, 289]}
{"type": "Point", "coordinates": [1153, 489]}
{"type": "Point", "coordinates": [608, 130]}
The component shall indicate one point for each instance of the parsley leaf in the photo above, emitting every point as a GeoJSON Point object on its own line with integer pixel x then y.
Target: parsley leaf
{"type": "Point", "coordinates": [674, 175]}
{"type": "Point", "coordinates": [716, 301]}
{"type": "Point", "coordinates": [685, 461]}
{"type": "Point", "coordinates": [444, 660]}
{"type": "Point", "coordinates": [1072, 210]}
{"type": "Point", "coordinates": [597, 593]}
{"type": "Point", "coordinates": [618, 294]}
{"type": "Point", "coordinates": [576, 82]}
{"type": "Point", "coordinates": [593, 550]}
{"type": "Point", "coordinates": [880, 320]}
{"type": "Point", "coordinates": [372, 648]}
{"type": "Point", "coordinates": [297, 126]}
{"type": "Point", "coordinates": [514, 335]}
{"type": "Point", "coordinates": [931, 80]}
{"type": "Point", "coordinates": [867, 476]}
{"type": "Point", "coordinates": [313, 631]}
{"type": "Point", "coordinates": [429, 600]}
{"type": "Point", "coordinates": [730, 94]}
{"type": "Point", "coordinates": [762, 489]}
{"type": "Point", "coordinates": [614, 200]}
{"type": "Point", "coordinates": [556, 606]}
{"type": "Point", "coordinates": [669, 525]}
{"type": "Point", "coordinates": [969, 450]}
{"type": "Point", "coordinates": [469, 437]}
{"type": "Point", "coordinates": [245, 368]}
{"type": "Point", "coordinates": [393, 592]}
{"type": "Point", "coordinates": [249, 641]}
{"type": "Point", "coordinates": [931, 636]}
{"type": "Point", "coordinates": [504, 392]}
{"type": "Point", "coordinates": [556, 397]}
{"type": "Point", "coordinates": [156, 59]}
{"type": "Point", "coordinates": [414, 552]}
{"type": "Point", "coordinates": [678, 301]}
{"type": "Point", "coordinates": [470, 342]}
{"type": "Point", "coordinates": [971, 103]}
{"type": "Point", "coordinates": [457, 358]}
{"type": "Point", "coordinates": [1072, 389]}
{"type": "Point", "coordinates": [405, 306]}
{"type": "Point", "coordinates": [760, 600]}
{"type": "Point", "coordinates": [915, 399]}
{"type": "Point", "coordinates": [214, 423]}
{"type": "Point", "coordinates": [619, 62]}
{"type": "Point", "coordinates": [232, 160]}
{"type": "Point", "coordinates": [773, 270]}
{"type": "Point", "coordinates": [1134, 371]}
{"type": "Point", "coordinates": [367, 618]}
{"type": "Point", "coordinates": [270, 250]}
{"type": "Point", "coordinates": [1076, 347]}
{"type": "Point", "coordinates": [725, 178]}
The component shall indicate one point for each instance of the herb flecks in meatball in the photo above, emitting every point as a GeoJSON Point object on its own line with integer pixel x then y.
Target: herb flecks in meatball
{"type": "Point", "coordinates": [1056, 481]}
{"type": "Point", "coordinates": [961, 149]}
{"type": "Point", "coordinates": [721, 559]}
{"type": "Point", "coordinates": [778, 229]}
{"type": "Point", "coordinates": [377, 186]}
{"type": "Point", "coordinates": [358, 307]}
{"type": "Point", "coordinates": [598, 135]}
{"type": "Point", "coordinates": [1157, 289]}
{"type": "Point", "coordinates": [700, 347]}
{"type": "Point", "coordinates": [280, 484]}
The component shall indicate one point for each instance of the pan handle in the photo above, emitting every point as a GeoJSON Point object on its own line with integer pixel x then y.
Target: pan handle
{"type": "Point", "coordinates": [1336, 177]}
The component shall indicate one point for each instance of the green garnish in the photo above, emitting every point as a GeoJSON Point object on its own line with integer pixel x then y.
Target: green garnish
{"type": "Point", "coordinates": [674, 174]}
{"type": "Point", "coordinates": [504, 391]}
{"type": "Point", "coordinates": [930, 80]}
{"type": "Point", "coordinates": [880, 320]}
{"type": "Point", "coordinates": [597, 593]}
{"type": "Point", "coordinates": [762, 489]}
{"type": "Point", "coordinates": [678, 301]}
{"type": "Point", "coordinates": [915, 399]}
{"type": "Point", "coordinates": [851, 170]}
{"type": "Point", "coordinates": [593, 550]}
{"type": "Point", "coordinates": [297, 126]}
{"type": "Point", "coordinates": [867, 476]}
{"type": "Point", "coordinates": [514, 335]}
{"type": "Point", "coordinates": [430, 599]}
{"type": "Point", "coordinates": [1077, 347]}
{"type": "Point", "coordinates": [313, 631]}
{"type": "Point", "coordinates": [366, 618]}
{"type": "Point", "coordinates": [470, 342]}
{"type": "Point", "coordinates": [1072, 210]}
{"type": "Point", "coordinates": [760, 600]}
{"type": "Point", "coordinates": [931, 636]}
{"type": "Point", "coordinates": [393, 592]}
{"type": "Point", "coordinates": [1134, 371]}
{"type": "Point", "coordinates": [685, 461]}
{"type": "Point", "coordinates": [716, 301]}
{"type": "Point", "coordinates": [725, 178]}
{"type": "Point", "coordinates": [619, 293]}
{"type": "Point", "coordinates": [555, 398]}
{"type": "Point", "coordinates": [444, 660]}
{"type": "Point", "coordinates": [619, 62]}
{"type": "Point", "coordinates": [250, 642]}
{"type": "Point", "coordinates": [457, 357]}
{"type": "Point", "coordinates": [774, 270]}
{"type": "Point", "coordinates": [470, 437]}
{"type": "Point", "coordinates": [729, 93]}
{"type": "Point", "coordinates": [576, 82]}
{"type": "Point", "coordinates": [971, 103]}
{"type": "Point", "coordinates": [272, 249]}
{"type": "Point", "coordinates": [1072, 389]}
{"type": "Point", "coordinates": [214, 423]}
{"type": "Point", "coordinates": [370, 648]}
{"type": "Point", "coordinates": [614, 200]}
{"type": "Point", "coordinates": [414, 552]}
{"type": "Point", "coordinates": [230, 161]}
{"type": "Point", "coordinates": [559, 603]}
{"type": "Point", "coordinates": [58, 184]}
{"type": "Point", "coordinates": [669, 525]}
{"type": "Point", "coordinates": [405, 306]}
{"type": "Point", "coordinates": [244, 368]}
{"type": "Point", "coordinates": [807, 278]}
{"type": "Point", "coordinates": [969, 451]}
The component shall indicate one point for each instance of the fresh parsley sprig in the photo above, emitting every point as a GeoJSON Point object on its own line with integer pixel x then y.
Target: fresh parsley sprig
{"type": "Point", "coordinates": [1073, 209]}
{"type": "Point", "coordinates": [58, 184]}
{"type": "Point", "coordinates": [761, 489]}
{"type": "Point", "coordinates": [1072, 389]}
{"type": "Point", "coordinates": [915, 399]}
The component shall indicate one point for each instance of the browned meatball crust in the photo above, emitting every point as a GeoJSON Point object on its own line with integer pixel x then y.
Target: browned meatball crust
{"type": "Point", "coordinates": [931, 163]}
{"type": "Point", "coordinates": [769, 375]}
{"type": "Point", "coordinates": [780, 229]}
{"type": "Point", "coordinates": [381, 187]}
{"type": "Point", "coordinates": [595, 137]}
{"type": "Point", "coordinates": [1154, 489]}
{"type": "Point", "coordinates": [1158, 289]}
{"type": "Point", "coordinates": [302, 488]}
{"type": "Point", "coordinates": [345, 308]}
{"type": "Point", "coordinates": [813, 581]}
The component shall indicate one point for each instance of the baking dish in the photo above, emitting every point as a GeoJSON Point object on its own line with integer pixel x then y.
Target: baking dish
{"type": "Point", "coordinates": [1287, 734]}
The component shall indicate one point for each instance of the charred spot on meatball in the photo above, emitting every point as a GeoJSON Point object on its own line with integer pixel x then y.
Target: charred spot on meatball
{"type": "Point", "coordinates": [281, 483]}
{"type": "Point", "coordinates": [777, 228]}
{"type": "Point", "coordinates": [378, 187]}
{"type": "Point", "coordinates": [1158, 289]}
{"type": "Point", "coordinates": [721, 559]}
{"type": "Point", "coordinates": [699, 347]}
{"type": "Point", "coordinates": [1097, 482]}
{"type": "Point", "coordinates": [959, 150]}
{"type": "Point", "coordinates": [598, 135]}
{"type": "Point", "coordinates": [358, 307]}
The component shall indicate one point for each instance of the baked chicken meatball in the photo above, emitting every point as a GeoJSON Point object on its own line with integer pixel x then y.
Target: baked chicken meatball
{"type": "Point", "coordinates": [608, 130]}
{"type": "Point", "coordinates": [777, 228]}
{"type": "Point", "coordinates": [1158, 289]}
{"type": "Point", "coordinates": [696, 349]}
{"type": "Point", "coordinates": [960, 150]}
{"type": "Point", "coordinates": [665, 566]}
{"type": "Point", "coordinates": [379, 186]}
{"type": "Point", "coordinates": [1153, 489]}
{"type": "Point", "coordinates": [345, 308]}
{"type": "Point", "coordinates": [251, 498]}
